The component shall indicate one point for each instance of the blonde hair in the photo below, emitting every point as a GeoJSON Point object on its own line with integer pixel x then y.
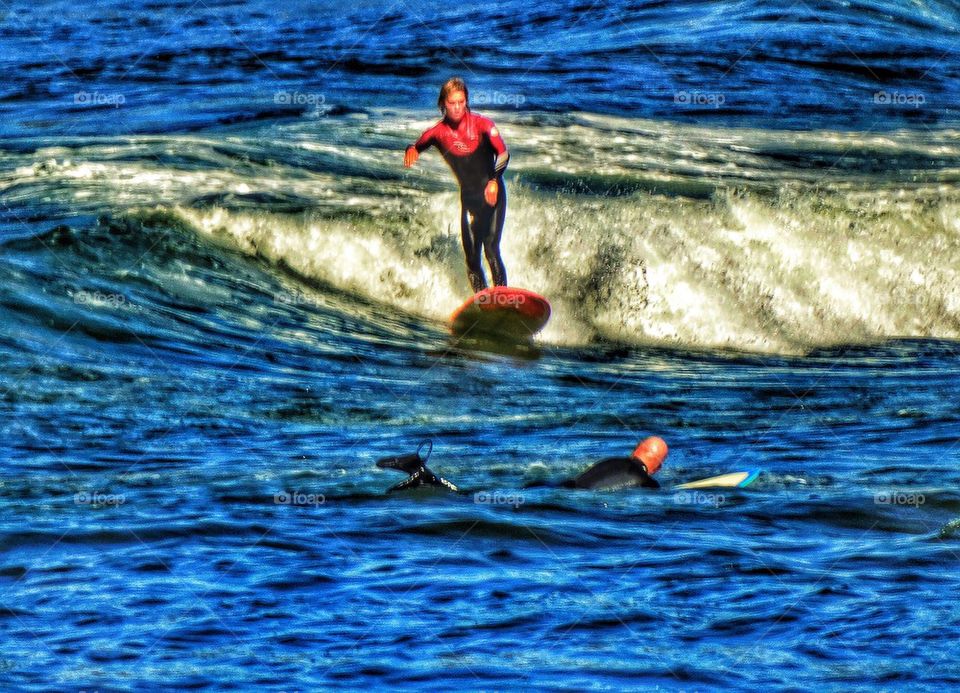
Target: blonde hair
{"type": "Point", "coordinates": [451, 85]}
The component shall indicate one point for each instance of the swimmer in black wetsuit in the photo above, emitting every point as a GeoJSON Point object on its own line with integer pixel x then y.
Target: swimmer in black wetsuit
{"type": "Point", "coordinates": [621, 472]}
{"type": "Point", "coordinates": [472, 147]}
{"type": "Point", "coordinates": [605, 475]}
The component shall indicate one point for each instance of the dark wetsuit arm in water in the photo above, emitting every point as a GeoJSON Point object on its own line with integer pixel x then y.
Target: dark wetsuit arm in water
{"type": "Point", "coordinates": [614, 472]}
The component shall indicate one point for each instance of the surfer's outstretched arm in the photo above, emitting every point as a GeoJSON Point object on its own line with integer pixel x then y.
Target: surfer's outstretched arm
{"type": "Point", "coordinates": [414, 150]}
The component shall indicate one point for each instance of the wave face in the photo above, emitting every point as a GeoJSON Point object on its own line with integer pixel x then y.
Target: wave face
{"type": "Point", "coordinates": [639, 232]}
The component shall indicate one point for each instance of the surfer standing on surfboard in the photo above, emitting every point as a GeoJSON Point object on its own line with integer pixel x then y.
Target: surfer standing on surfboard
{"type": "Point", "coordinates": [472, 147]}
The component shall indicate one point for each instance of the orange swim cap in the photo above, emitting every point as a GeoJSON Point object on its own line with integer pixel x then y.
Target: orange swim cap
{"type": "Point", "coordinates": [652, 452]}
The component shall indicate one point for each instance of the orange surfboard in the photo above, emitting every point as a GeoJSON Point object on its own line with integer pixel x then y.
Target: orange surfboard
{"type": "Point", "coordinates": [504, 311]}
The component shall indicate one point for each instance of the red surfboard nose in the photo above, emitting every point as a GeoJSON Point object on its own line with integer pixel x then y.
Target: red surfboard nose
{"type": "Point", "coordinates": [502, 310]}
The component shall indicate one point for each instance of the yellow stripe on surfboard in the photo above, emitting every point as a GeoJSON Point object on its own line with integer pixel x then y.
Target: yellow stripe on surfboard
{"type": "Point", "coordinates": [731, 480]}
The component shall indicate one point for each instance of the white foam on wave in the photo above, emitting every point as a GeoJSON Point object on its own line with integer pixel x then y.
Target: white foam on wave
{"type": "Point", "coordinates": [356, 258]}
{"type": "Point", "coordinates": [769, 274]}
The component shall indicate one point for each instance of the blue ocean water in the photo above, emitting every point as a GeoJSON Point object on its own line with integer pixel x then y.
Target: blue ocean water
{"type": "Point", "coordinates": [222, 299]}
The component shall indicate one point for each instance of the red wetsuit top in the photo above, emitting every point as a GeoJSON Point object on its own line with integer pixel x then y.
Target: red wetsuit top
{"type": "Point", "coordinates": [474, 151]}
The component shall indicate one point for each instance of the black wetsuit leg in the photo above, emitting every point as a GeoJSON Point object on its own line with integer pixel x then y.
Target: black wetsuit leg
{"type": "Point", "coordinates": [491, 241]}
{"type": "Point", "coordinates": [472, 243]}
{"type": "Point", "coordinates": [482, 226]}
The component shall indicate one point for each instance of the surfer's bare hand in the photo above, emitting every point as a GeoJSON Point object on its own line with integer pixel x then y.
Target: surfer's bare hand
{"type": "Point", "coordinates": [410, 157]}
{"type": "Point", "coordinates": [490, 193]}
